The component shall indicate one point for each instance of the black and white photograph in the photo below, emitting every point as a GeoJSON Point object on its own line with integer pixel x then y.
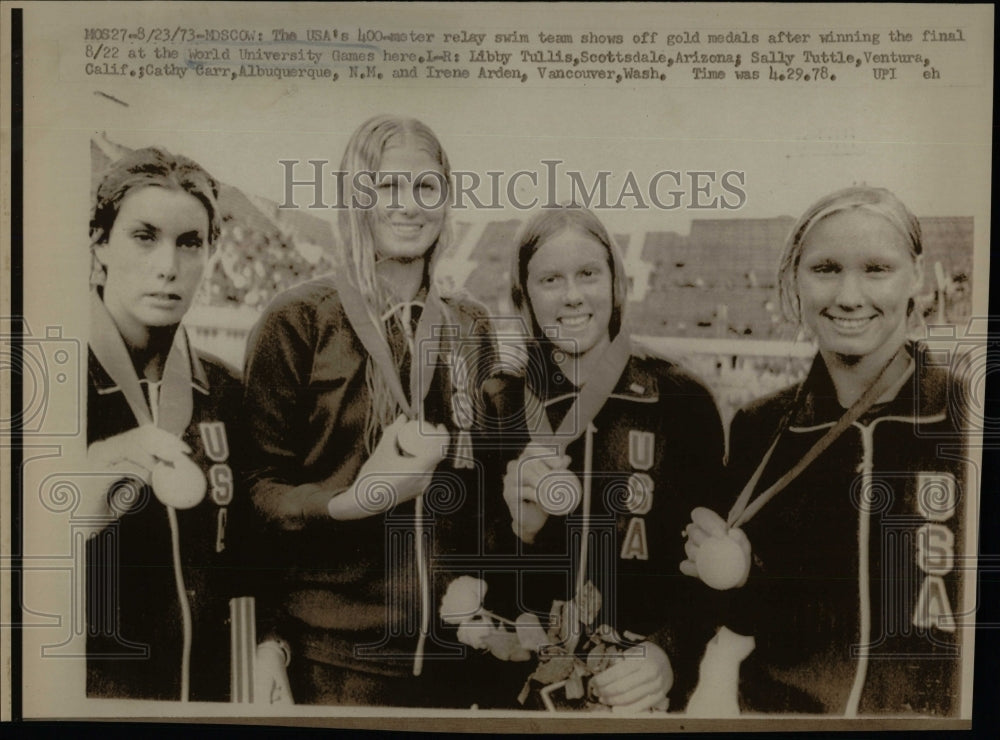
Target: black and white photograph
{"type": "Point", "coordinates": [521, 367]}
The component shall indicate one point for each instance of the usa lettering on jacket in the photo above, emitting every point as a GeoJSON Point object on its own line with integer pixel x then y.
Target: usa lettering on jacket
{"type": "Point", "coordinates": [220, 475]}
{"type": "Point", "coordinates": [641, 446]}
{"type": "Point", "coordinates": [936, 502]}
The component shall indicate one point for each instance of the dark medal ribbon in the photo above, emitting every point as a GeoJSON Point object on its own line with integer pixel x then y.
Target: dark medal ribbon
{"type": "Point", "coordinates": [175, 405]}
{"type": "Point", "coordinates": [741, 512]}
{"type": "Point", "coordinates": [589, 400]}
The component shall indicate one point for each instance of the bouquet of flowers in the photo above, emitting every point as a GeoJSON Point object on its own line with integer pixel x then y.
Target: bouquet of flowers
{"type": "Point", "coordinates": [569, 649]}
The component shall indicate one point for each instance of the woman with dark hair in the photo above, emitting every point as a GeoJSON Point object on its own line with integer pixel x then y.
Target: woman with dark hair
{"type": "Point", "coordinates": [159, 424]}
{"type": "Point", "coordinates": [356, 399]}
{"type": "Point", "coordinates": [853, 511]}
{"type": "Point", "coordinates": [615, 447]}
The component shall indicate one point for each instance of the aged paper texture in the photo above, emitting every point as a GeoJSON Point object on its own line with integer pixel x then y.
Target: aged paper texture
{"type": "Point", "coordinates": [696, 133]}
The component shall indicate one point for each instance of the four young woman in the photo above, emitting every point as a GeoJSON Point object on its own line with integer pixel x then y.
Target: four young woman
{"type": "Point", "coordinates": [385, 451]}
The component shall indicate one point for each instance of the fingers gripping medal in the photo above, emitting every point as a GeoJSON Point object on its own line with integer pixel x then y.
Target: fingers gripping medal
{"type": "Point", "coordinates": [559, 493]}
{"type": "Point", "coordinates": [722, 563]}
{"type": "Point", "coordinates": [722, 559]}
{"type": "Point", "coordinates": [412, 443]}
{"type": "Point", "coordinates": [170, 405]}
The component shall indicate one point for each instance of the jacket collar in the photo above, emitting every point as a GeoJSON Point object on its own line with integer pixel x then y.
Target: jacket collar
{"type": "Point", "coordinates": [199, 377]}
{"type": "Point", "coordinates": [923, 395]}
{"type": "Point", "coordinates": [636, 383]}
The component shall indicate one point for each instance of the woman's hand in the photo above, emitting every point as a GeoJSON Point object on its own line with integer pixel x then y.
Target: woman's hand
{"type": "Point", "coordinates": [529, 511]}
{"type": "Point", "coordinates": [717, 554]}
{"type": "Point", "coordinates": [270, 678]}
{"type": "Point", "coordinates": [638, 682]}
{"type": "Point", "coordinates": [717, 692]}
{"type": "Point", "coordinates": [398, 469]}
{"type": "Point", "coordinates": [136, 451]}
{"type": "Point", "coordinates": [134, 454]}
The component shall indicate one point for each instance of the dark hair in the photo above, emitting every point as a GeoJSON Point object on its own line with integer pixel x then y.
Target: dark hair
{"type": "Point", "coordinates": [151, 167]}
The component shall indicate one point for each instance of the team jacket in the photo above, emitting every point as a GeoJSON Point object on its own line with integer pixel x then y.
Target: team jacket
{"type": "Point", "coordinates": [657, 453]}
{"type": "Point", "coordinates": [134, 632]}
{"type": "Point", "coordinates": [344, 593]}
{"type": "Point", "coordinates": [855, 593]}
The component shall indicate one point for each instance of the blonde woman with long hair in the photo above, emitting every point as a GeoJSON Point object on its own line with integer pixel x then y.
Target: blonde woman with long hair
{"type": "Point", "coordinates": [350, 415]}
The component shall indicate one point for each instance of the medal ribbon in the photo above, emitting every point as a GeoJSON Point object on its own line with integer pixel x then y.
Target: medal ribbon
{"type": "Point", "coordinates": [175, 405]}
{"type": "Point", "coordinates": [421, 368]}
{"type": "Point", "coordinates": [741, 513]}
{"type": "Point", "coordinates": [589, 400]}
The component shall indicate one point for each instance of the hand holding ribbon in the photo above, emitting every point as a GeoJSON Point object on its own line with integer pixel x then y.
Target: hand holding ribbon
{"type": "Point", "coordinates": [154, 451]}
{"type": "Point", "coordinates": [539, 484]}
{"type": "Point", "coordinates": [717, 554]}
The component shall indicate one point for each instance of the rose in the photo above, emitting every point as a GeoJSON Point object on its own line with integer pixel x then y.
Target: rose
{"type": "Point", "coordinates": [473, 632]}
{"type": "Point", "coordinates": [463, 599]}
{"type": "Point", "coordinates": [530, 633]}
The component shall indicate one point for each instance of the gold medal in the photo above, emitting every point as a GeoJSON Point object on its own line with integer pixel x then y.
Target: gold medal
{"type": "Point", "coordinates": [721, 563]}
{"type": "Point", "coordinates": [182, 485]}
{"type": "Point", "coordinates": [559, 493]}
{"type": "Point", "coordinates": [413, 442]}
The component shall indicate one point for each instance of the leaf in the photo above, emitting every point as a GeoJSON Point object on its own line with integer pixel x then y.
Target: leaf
{"type": "Point", "coordinates": [555, 622]}
{"type": "Point", "coordinates": [505, 646]}
{"type": "Point", "coordinates": [473, 632]}
{"type": "Point", "coordinates": [556, 669]}
{"type": "Point", "coordinates": [609, 634]}
{"type": "Point", "coordinates": [574, 687]}
{"type": "Point", "coordinates": [569, 632]}
{"type": "Point", "coordinates": [530, 632]}
{"type": "Point", "coordinates": [588, 603]}
{"type": "Point", "coordinates": [595, 659]}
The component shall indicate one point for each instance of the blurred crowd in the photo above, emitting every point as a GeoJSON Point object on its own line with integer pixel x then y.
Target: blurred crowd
{"type": "Point", "coordinates": [250, 267]}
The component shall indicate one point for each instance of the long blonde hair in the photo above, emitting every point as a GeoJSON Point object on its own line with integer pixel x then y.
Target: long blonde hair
{"type": "Point", "coordinates": [356, 222]}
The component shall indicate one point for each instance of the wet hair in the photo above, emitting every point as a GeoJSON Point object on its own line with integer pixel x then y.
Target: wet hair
{"type": "Point", "coordinates": [357, 224]}
{"type": "Point", "coordinates": [543, 226]}
{"type": "Point", "coordinates": [151, 167]}
{"type": "Point", "coordinates": [879, 201]}
{"type": "Point", "coordinates": [357, 232]}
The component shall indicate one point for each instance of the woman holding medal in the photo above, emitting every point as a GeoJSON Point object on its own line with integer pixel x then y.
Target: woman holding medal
{"type": "Point", "coordinates": [851, 508]}
{"type": "Point", "coordinates": [350, 415]}
{"type": "Point", "coordinates": [159, 420]}
{"type": "Point", "coordinates": [615, 448]}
